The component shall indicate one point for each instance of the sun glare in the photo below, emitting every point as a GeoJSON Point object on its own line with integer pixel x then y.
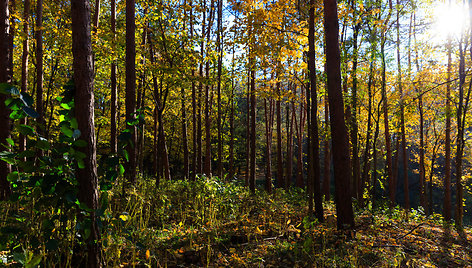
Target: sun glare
{"type": "Point", "coordinates": [449, 19]}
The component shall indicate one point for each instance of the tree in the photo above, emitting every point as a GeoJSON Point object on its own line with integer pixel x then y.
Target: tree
{"type": "Point", "coordinates": [39, 64]}
{"type": "Point", "coordinates": [84, 112]}
{"type": "Point", "coordinates": [114, 91]}
{"type": "Point", "coordinates": [131, 88]}
{"type": "Point", "coordinates": [313, 130]}
{"type": "Point", "coordinates": [24, 63]}
{"type": "Point", "coordinates": [339, 135]}
{"type": "Point", "coordinates": [5, 77]}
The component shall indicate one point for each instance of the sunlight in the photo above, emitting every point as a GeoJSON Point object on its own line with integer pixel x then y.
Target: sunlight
{"type": "Point", "coordinates": [449, 19]}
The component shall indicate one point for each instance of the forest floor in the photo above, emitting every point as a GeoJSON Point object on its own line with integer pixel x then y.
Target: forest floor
{"type": "Point", "coordinates": [210, 223]}
{"type": "Point", "coordinates": [216, 224]}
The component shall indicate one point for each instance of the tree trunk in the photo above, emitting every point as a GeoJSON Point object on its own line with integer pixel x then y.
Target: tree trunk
{"type": "Point", "coordinates": [220, 59]}
{"type": "Point", "coordinates": [402, 117]}
{"type": "Point", "coordinates": [5, 77]}
{"type": "Point", "coordinates": [39, 65]}
{"type": "Point", "coordinates": [130, 82]}
{"type": "Point", "coordinates": [84, 112]}
{"type": "Point", "coordinates": [289, 156]}
{"type": "Point", "coordinates": [339, 134]}
{"type": "Point", "coordinates": [447, 165]}
{"type": "Point", "coordinates": [390, 178]}
{"type": "Point", "coordinates": [314, 141]}
{"type": "Point", "coordinates": [114, 93]}
{"type": "Point", "coordinates": [353, 119]}
{"type": "Point", "coordinates": [269, 119]}
{"type": "Point", "coordinates": [327, 154]}
{"type": "Point", "coordinates": [24, 65]}
{"type": "Point", "coordinates": [252, 177]}
{"type": "Point", "coordinates": [280, 170]}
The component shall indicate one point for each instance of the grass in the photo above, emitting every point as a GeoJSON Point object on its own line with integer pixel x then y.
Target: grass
{"type": "Point", "coordinates": [210, 223]}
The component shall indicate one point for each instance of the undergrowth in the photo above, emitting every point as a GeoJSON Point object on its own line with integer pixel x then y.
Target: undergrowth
{"type": "Point", "coordinates": [212, 223]}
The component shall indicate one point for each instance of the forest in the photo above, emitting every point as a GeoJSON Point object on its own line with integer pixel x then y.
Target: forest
{"type": "Point", "coordinates": [237, 133]}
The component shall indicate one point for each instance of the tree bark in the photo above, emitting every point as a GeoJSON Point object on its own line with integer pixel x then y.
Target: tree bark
{"type": "Point", "coordinates": [280, 173]}
{"type": "Point", "coordinates": [447, 165]}
{"type": "Point", "coordinates": [24, 65]}
{"type": "Point", "coordinates": [269, 119]}
{"type": "Point", "coordinates": [402, 117]}
{"type": "Point", "coordinates": [84, 112]}
{"type": "Point", "coordinates": [114, 93]}
{"type": "Point", "coordinates": [39, 65]}
{"type": "Point", "coordinates": [5, 77]}
{"type": "Point", "coordinates": [130, 98]}
{"type": "Point", "coordinates": [314, 142]}
{"type": "Point", "coordinates": [339, 134]}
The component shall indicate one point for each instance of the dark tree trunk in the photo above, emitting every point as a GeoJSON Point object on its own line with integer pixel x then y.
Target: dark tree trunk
{"type": "Point", "coordinates": [130, 82]}
{"type": "Point", "coordinates": [96, 15]}
{"type": "Point", "coordinates": [84, 112]}
{"type": "Point", "coordinates": [289, 156]}
{"type": "Point", "coordinates": [39, 65]}
{"type": "Point", "coordinates": [353, 119]}
{"type": "Point", "coordinates": [402, 117]}
{"type": "Point", "coordinates": [269, 119]}
{"type": "Point", "coordinates": [280, 170]}
{"type": "Point", "coordinates": [5, 77]}
{"type": "Point", "coordinates": [447, 168]}
{"type": "Point", "coordinates": [339, 134]}
{"type": "Point", "coordinates": [114, 93]}
{"type": "Point", "coordinates": [24, 64]}
{"type": "Point", "coordinates": [220, 59]}
{"type": "Point", "coordinates": [327, 154]}
{"type": "Point", "coordinates": [388, 146]}
{"type": "Point", "coordinates": [314, 141]}
{"type": "Point", "coordinates": [252, 177]}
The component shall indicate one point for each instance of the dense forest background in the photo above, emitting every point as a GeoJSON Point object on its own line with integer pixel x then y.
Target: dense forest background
{"type": "Point", "coordinates": [104, 97]}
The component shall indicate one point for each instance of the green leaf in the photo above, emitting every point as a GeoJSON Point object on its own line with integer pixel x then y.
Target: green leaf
{"type": "Point", "coordinates": [43, 144]}
{"type": "Point", "coordinates": [30, 111]}
{"type": "Point", "coordinates": [122, 169]}
{"type": "Point", "coordinates": [67, 131]}
{"type": "Point", "coordinates": [6, 88]}
{"type": "Point", "coordinates": [80, 163]}
{"type": "Point", "coordinates": [26, 130]}
{"type": "Point", "coordinates": [10, 141]}
{"type": "Point", "coordinates": [73, 123]}
{"type": "Point", "coordinates": [65, 106]}
{"type": "Point", "coordinates": [80, 143]}
{"type": "Point", "coordinates": [34, 261]}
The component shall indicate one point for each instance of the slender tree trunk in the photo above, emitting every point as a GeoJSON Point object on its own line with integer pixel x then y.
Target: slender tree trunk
{"type": "Point", "coordinates": [130, 82]}
{"type": "Point", "coordinates": [339, 134]}
{"type": "Point", "coordinates": [447, 143]}
{"type": "Point", "coordinates": [5, 77]}
{"type": "Point", "coordinates": [353, 119]}
{"type": "Point", "coordinates": [248, 128]}
{"type": "Point", "coordinates": [194, 106]}
{"type": "Point", "coordinates": [280, 173]}
{"type": "Point", "coordinates": [39, 65]}
{"type": "Point", "coordinates": [199, 96]}
{"type": "Point", "coordinates": [327, 154]}
{"type": "Point", "coordinates": [96, 15]}
{"type": "Point", "coordinates": [252, 177]}
{"type": "Point", "coordinates": [367, 153]}
{"type": "Point", "coordinates": [390, 178]}
{"type": "Point", "coordinates": [231, 125]}
{"type": "Point", "coordinates": [460, 139]}
{"type": "Point", "coordinates": [314, 141]}
{"type": "Point", "coordinates": [269, 119]}
{"type": "Point", "coordinates": [24, 64]}
{"type": "Point", "coordinates": [84, 112]}
{"type": "Point", "coordinates": [289, 156]}
{"type": "Point", "coordinates": [402, 116]}
{"type": "Point", "coordinates": [114, 92]}
{"type": "Point", "coordinates": [220, 61]}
